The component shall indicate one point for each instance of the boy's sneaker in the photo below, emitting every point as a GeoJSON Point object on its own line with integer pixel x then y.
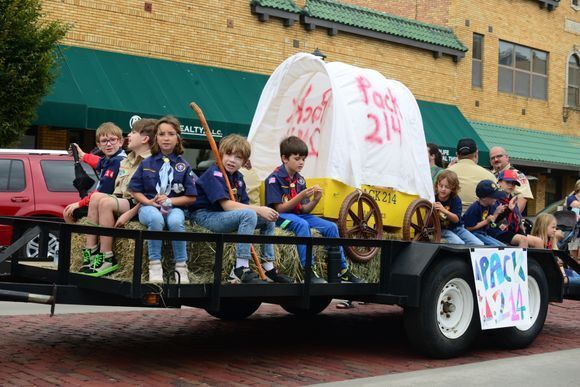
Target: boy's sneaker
{"type": "Point", "coordinates": [274, 276]}
{"type": "Point", "coordinates": [244, 275]}
{"type": "Point", "coordinates": [183, 276]}
{"type": "Point", "coordinates": [88, 258]}
{"type": "Point", "coordinates": [155, 272]}
{"type": "Point", "coordinates": [314, 278]}
{"type": "Point", "coordinates": [346, 275]}
{"type": "Point", "coordinates": [102, 266]}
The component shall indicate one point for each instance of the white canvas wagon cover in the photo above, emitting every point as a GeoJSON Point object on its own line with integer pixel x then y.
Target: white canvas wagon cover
{"type": "Point", "coordinates": [361, 128]}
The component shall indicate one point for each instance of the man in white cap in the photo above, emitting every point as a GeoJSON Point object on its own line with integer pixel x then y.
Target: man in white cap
{"type": "Point", "coordinates": [500, 161]}
{"type": "Point", "coordinates": [468, 172]}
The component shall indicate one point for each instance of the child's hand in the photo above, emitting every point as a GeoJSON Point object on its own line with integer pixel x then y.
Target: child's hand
{"type": "Point", "coordinates": [123, 219]}
{"type": "Point", "coordinates": [79, 151]}
{"type": "Point", "coordinates": [499, 210]}
{"type": "Point", "coordinates": [513, 203]}
{"type": "Point", "coordinates": [159, 199]}
{"type": "Point", "coordinates": [438, 206]}
{"type": "Point", "coordinates": [317, 192]}
{"type": "Point", "coordinates": [68, 210]}
{"type": "Point", "coordinates": [267, 213]}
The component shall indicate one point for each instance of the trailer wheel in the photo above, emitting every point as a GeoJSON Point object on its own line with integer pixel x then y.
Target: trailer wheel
{"type": "Point", "coordinates": [317, 305]}
{"type": "Point", "coordinates": [523, 335]}
{"type": "Point", "coordinates": [445, 324]}
{"type": "Point", "coordinates": [232, 310]}
{"type": "Point", "coordinates": [421, 222]}
{"type": "Point", "coordinates": [360, 218]}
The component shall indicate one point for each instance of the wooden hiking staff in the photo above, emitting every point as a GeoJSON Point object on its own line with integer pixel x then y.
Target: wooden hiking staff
{"type": "Point", "coordinates": [218, 160]}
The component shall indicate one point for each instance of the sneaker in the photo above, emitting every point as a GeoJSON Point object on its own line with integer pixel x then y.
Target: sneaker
{"type": "Point", "coordinates": [183, 276]}
{"type": "Point", "coordinates": [101, 266]}
{"type": "Point", "coordinates": [274, 276]}
{"type": "Point", "coordinates": [88, 259]}
{"type": "Point", "coordinates": [155, 271]}
{"type": "Point", "coordinates": [346, 275]}
{"type": "Point", "coordinates": [315, 279]}
{"type": "Point", "coordinates": [244, 275]}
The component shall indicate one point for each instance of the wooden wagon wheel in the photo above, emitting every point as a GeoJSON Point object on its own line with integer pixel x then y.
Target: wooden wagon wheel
{"type": "Point", "coordinates": [360, 218]}
{"type": "Point", "coordinates": [421, 222]}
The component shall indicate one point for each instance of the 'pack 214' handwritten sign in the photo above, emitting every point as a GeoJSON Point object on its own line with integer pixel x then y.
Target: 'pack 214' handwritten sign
{"type": "Point", "coordinates": [501, 285]}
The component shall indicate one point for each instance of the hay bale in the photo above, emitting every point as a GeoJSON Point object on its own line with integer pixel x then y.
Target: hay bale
{"type": "Point", "coordinates": [201, 257]}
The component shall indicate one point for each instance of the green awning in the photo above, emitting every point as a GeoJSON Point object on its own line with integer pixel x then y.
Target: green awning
{"type": "Point", "coordinates": [444, 125]}
{"type": "Point", "coordinates": [97, 86]}
{"type": "Point", "coordinates": [531, 147]}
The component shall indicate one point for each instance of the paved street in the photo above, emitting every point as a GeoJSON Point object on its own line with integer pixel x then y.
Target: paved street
{"type": "Point", "coordinates": [188, 347]}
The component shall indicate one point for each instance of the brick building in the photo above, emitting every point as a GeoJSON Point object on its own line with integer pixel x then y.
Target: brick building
{"type": "Point", "coordinates": [510, 68]}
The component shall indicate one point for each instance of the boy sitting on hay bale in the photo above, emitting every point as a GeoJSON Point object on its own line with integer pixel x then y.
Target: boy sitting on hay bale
{"type": "Point", "coordinates": [286, 192]}
{"type": "Point", "coordinates": [215, 211]}
{"type": "Point", "coordinates": [103, 208]}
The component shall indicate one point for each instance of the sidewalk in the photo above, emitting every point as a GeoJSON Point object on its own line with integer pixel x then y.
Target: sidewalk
{"type": "Point", "coordinates": [548, 369]}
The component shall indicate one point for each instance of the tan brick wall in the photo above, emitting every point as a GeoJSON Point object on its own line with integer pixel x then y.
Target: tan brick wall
{"type": "Point", "coordinates": [52, 138]}
{"type": "Point", "coordinates": [198, 32]}
{"type": "Point", "coordinates": [523, 23]}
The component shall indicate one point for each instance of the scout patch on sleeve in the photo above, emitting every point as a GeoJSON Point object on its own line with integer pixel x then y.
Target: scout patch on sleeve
{"type": "Point", "coordinates": [218, 174]}
{"type": "Point", "coordinates": [122, 172]}
{"type": "Point", "coordinates": [301, 181]}
{"type": "Point", "coordinates": [109, 173]}
{"type": "Point", "coordinates": [272, 180]}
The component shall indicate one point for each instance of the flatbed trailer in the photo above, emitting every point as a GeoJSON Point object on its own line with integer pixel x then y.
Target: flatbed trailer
{"type": "Point", "coordinates": [432, 282]}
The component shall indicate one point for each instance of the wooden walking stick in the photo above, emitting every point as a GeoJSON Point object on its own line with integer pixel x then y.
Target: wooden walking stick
{"type": "Point", "coordinates": [218, 160]}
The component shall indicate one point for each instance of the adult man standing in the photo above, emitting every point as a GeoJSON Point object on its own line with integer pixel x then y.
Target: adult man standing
{"type": "Point", "coordinates": [468, 172]}
{"type": "Point", "coordinates": [500, 160]}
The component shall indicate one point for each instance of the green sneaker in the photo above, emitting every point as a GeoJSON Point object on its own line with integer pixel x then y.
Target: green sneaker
{"type": "Point", "coordinates": [88, 259]}
{"type": "Point", "coordinates": [347, 276]}
{"type": "Point", "coordinates": [102, 266]}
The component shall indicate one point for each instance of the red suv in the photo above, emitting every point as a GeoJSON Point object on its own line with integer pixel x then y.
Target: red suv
{"type": "Point", "coordinates": [36, 183]}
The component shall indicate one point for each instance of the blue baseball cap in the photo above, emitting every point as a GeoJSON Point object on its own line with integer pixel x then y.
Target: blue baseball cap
{"type": "Point", "coordinates": [489, 189]}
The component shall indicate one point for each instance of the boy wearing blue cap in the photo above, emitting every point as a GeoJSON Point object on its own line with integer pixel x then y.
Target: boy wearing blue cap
{"type": "Point", "coordinates": [480, 215]}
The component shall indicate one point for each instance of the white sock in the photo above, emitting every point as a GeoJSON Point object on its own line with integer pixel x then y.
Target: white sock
{"type": "Point", "coordinates": [94, 249]}
{"type": "Point", "coordinates": [108, 254]}
{"type": "Point", "coordinates": [268, 265]}
{"type": "Point", "coordinates": [241, 262]}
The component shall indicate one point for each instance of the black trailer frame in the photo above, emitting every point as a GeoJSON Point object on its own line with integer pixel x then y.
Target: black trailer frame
{"type": "Point", "coordinates": [402, 267]}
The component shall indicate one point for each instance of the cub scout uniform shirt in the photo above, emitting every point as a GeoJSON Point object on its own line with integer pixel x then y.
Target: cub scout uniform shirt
{"type": "Point", "coordinates": [146, 177]}
{"type": "Point", "coordinates": [452, 204]}
{"type": "Point", "coordinates": [127, 169]}
{"type": "Point", "coordinates": [280, 188]}
{"type": "Point", "coordinates": [212, 188]}
{"type": "Point", "coordinates": [108, 169]}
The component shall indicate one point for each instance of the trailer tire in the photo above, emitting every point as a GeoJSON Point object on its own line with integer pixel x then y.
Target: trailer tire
{"type": "Point", "coordinates": [30, 251]}
{"type": "Point", "coordinates": [232, 310]}
{"type": "Point", "coordinates": [317, 305]}
{"type": "Point", "coordinates": [523, 335]}
{"type": "Point", "coordinates": [445, 324]}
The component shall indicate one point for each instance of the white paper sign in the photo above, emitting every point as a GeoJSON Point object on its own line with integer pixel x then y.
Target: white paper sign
{"type": "Point", "coordinates": [501, 285]}
{"type": "Point", "coordinates": [360, 127]}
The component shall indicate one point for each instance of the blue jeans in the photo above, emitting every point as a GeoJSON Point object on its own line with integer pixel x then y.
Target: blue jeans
{"type": "Point", "coordinates": [460, 236]}
{"type": "Point", "coordinates": [486, 239]}
{"type": "Point", "coordinates": [151, 217]}
{"type": "Point", "coordinates": [301, 225]}
{"type": "Point", "coordinates": [573, 277]}
{"type": "Point", "coordinates": [242, 221]}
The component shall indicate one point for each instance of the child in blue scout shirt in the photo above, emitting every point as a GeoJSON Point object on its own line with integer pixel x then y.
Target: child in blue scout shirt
{"type": "Point", "coordinates": [109, 139]}
{"type": "Point", "coordinates": [448, 204]}
{"type": "Point", "coordinates": [479, 216]}
{"type": "Point", "coordinates": [215, 211]}
{"type": "Point", "coordinates": [286, 192]}
{"type": "Point", "coordinates": [164, 184]}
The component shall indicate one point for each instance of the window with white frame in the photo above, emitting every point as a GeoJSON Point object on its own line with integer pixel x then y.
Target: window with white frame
{"type": "Point", "coordinates": [522, 71]}
{"type": "Point", "coordinates": [573, 99]}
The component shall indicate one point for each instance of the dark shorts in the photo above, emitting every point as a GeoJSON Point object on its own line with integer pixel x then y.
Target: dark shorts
{"type": "Point", "coordinates": [506, 237]}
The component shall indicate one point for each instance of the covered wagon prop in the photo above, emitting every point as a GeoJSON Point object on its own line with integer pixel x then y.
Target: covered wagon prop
{"type": "Point", "coordinates": [367, 148]}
